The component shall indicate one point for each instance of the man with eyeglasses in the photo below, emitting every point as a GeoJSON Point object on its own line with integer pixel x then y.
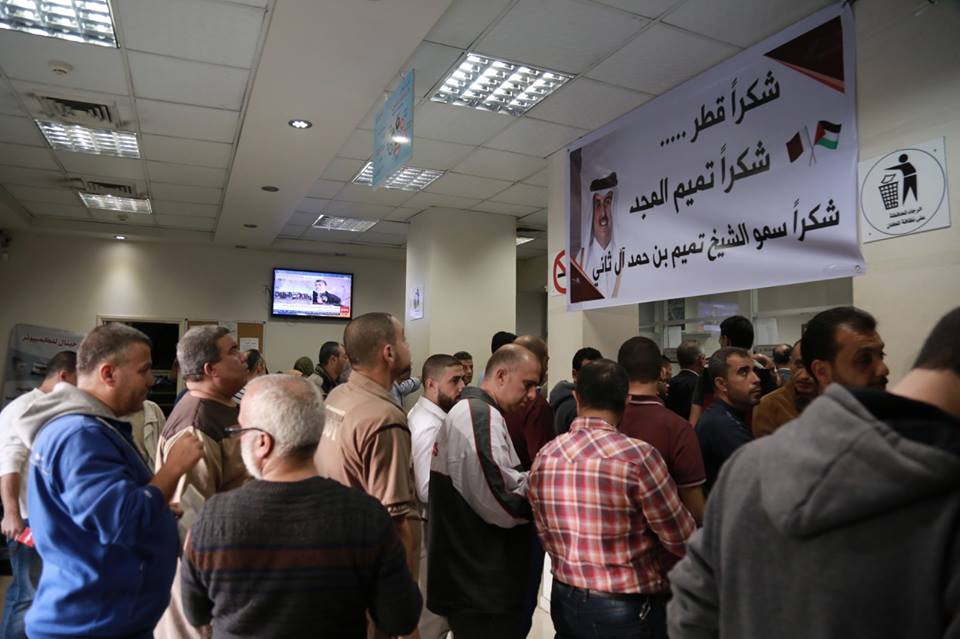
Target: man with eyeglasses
{"type": "Point", "coordinates": [293, 554]}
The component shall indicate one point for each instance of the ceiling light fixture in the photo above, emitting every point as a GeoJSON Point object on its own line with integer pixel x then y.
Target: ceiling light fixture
{"type": "Point", "coordinates": [116, 203]}
{"type": "Point", "coordinates": [524, 240]}
{"type": "Point", "coordinates": [333, 223]}
{"type": "Point", "coordinates": [408, 178]}
{"type": "Point", "coordinates": [270, 189]}
{"type": "Point", "coordinates": [80, 139]}
{"type": "Point", "coordinates": [86, 21]}
{"type": "Point", "coordinates": [120, 237]}
{"type": "Point", "coordinates": [249, 226]}
{"type": "Point", "coordinates": [300, 124]}
{"type": "Point", "coordinates": [490, 84]}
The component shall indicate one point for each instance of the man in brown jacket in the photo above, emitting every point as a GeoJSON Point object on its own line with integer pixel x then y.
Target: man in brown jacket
{"type": "Point", "coordinates": [212, 365]}
{"type": "Point", "coordinates": [787, 402]}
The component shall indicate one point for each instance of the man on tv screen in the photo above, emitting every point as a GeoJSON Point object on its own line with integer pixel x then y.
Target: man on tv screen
{"type": "Point", "coordinates": [322, 296]}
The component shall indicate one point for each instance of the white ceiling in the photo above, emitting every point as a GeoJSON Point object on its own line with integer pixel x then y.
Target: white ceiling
{"type": "Point", "coordinates": [209, 86]}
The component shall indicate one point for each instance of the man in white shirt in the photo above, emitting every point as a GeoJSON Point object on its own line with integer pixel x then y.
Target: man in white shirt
{"type": "Point", "coordinates": [14, 457]}
{"type": "Point", "coordinates": [442, 384]}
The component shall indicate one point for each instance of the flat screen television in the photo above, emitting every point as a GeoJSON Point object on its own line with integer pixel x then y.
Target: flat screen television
{"type": "Point", "coordinates": [313, 294]}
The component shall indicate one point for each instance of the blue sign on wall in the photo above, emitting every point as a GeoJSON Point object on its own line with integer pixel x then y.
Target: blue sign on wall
{"type": "Point", "coordinates": [393, 132]}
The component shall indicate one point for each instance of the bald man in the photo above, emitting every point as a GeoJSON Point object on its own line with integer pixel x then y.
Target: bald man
{"type": "Point", "coordinates": [531, 424]}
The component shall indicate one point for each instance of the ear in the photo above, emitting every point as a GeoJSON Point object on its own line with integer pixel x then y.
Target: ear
{"type": "Point", "coordinates": [822, 372]}
{"type": "Point", "coordinates": [208, 369]}
{"type": "Point", "coordinates": [387, 353]}
{"type": "Point", "coordinates": [721, 383]}
{"type": "Point", "coordinates": [107, 373]}
{"type": "Point", "coordinates": [265, 444]}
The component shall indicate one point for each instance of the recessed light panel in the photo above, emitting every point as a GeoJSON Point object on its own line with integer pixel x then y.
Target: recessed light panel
{"type": "Point", "coordinates": [523, 240]}
{"type": "Point", "coordinates": [116, 203]}
{"type": "Point", "coordinates": [86, 21]}
{"type": "Point", "coordinates": [490, 84]}
{"type": "Point", "coordinates": [408, 178]}
{"type": "Point", "coordinates": [73, 137]}
{"type": "Point", "coordinates": [343, 224]}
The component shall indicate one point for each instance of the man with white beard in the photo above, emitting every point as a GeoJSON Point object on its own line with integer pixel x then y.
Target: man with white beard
{"type": "Point", "coordinates": [291, 552]}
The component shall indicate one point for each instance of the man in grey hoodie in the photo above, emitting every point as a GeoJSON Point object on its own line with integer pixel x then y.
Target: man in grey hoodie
{"type": "Point", "coordinates": [561, 397]}
{"type": "Point", "coordinates": [844, 523]}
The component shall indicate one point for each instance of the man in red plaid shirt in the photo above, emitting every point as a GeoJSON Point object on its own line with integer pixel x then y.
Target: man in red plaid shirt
{"type": "Point", "coordinates": [606, 510]}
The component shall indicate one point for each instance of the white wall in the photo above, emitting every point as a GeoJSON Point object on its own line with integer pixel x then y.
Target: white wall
{"type": "Point", "coordinates": [66, 282]}
{"type": "Point", "coordinates": [531, 296]}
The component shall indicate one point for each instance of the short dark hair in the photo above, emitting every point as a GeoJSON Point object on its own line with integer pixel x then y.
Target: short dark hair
{"type": "Point", "coordinates": [253, 357]}
{"type": "Point", "coordinates": [603, 384]}
{"type": "Point", "coordinates": [197, 348]}
{"type": "Point", "coordinates": [688, 353]}
{"type": "Point", "coordinates": [499, 339]}
{"type": "Point", "coordinates": [366, 335]}
{"type": "Point", "coordinates": [738, 330]}
{"type": "Point", "coordinates": [781, 354]}
{"type": "Point", "coordinates": [585, 354]}
{"type": "Point", "coordinates": [107, 342]}
{"type": "Point", "coordinates": [819, 340]}
{"type": "Point", "coordinates": [315, 282]}
{"type": "Point", "coordinates": [508, 356]}
{"type": "Point", "coordinates": [62, 362]}
{"type": "Point", "coordinates": [305, 365]}
{"type": "Point", "coordinates": [717, 366]}
{"type": "Point", "coordinates": [327, 350]}
{"type": "Point", "coordinates": [941, 349]}
{"type": "Point", "coordinates": [462, 355]}
{"type": "Point", "coordinates": [640, 357]}
{"type": "Point", "coordinates": [435, 365]}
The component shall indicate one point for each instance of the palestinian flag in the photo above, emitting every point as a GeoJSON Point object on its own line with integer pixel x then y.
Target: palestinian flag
{"type": "Point", "coordinates": [828, 134]}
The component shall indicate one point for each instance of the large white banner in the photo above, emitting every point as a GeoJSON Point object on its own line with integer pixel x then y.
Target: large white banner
{"type": "Point", "coordinates": [743, 177]}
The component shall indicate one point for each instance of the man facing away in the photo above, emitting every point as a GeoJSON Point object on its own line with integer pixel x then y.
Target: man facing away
{"type": "Point", "coordinates": [606, 510]}
{"type": "Point", "coordinates": [844, 524]}
{"type": "Point", "coordinates": [292, 554]}
{"type": "Point", "coordinates": [561, 397]}
{"type": "Point", "coordinates": [691, 361]}
{"type": "Point", "coordinates": [25, 561]}
{"type": "Point", "coordinates": [442, 385]}
{"type": "Point", "coordinates": [479, 518]}
{"type": "Point", "coordinates": [100, 517]}
{"type": "Point", "coordinates": [788, 401]}
{"type": "Point", "coordinates": [647, 419]}
{"type": "Point", "coordinates": [781, 360]}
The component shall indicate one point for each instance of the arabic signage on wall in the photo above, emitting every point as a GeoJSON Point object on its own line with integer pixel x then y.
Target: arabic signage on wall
{"type": "Point", "coordinates": [904, 192]}
{"type": "Point", "coordinates": [30, 348]}
{"type": "Point", "coordinates": [393, 132]}
{"type": "Point", "coordinates": [743, 177]}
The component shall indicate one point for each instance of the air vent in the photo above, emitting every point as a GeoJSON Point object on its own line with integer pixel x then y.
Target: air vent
{"type": "Point", "coordinates": [91, 114]}
{"type": "Point", "coordinates": [111, 188]}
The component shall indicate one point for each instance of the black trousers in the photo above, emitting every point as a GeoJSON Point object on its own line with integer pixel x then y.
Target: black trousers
{"type": "Point", "coordinates": [489, 626]}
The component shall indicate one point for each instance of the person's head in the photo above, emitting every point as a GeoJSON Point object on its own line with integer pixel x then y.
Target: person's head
{"type": "Point", "coordinates": [690, 355]}
{"type": "Point", "coordinates": [640, 357]}
{"type": "Point", "coordinates": [281, 417]}
{"type": "Point", "coordinates": [114, 365]}
{"type": "Point", "coordinates": [332, 359]}
{"type": "Point", "coordinates": [666, 368]}
{"type": "Point", "coordinates": [511, 377]}
{"type": "Point", "coordinates": [376, 342]}
{"type": "Point", "coordinates": [734, 379]}
{"type": "Point", "coordinates": [602, 196]}
{"type": "Point", "coordinates": [804, 385]}
{"type": "Point", "coordinates": [736, 331]}
{"type": "Point", "coordinates": [841, 345]}
{"type": "Point", "coordinates": [209, 355]}
{"type": "Point", "coordinates": [304, 365]}
{"type": "Point", "coordinates": [466, 360]}
{"type": "Point", "coordinates": [442, 377]}
{"type": "Point", "coordinates": [539, 348]}
{"type": "Point", "coordinates": [320, 286]}
{"type": "Point", "coordinates": [62, 367]}
{"type": "Point", "coordinates": [601, 391]}
{"type": "Point", "coordinates": [781, 355]}
{"type": "Point", "coordinates": [941, 349]}
{"type": "Point", "coordinates": [499, 339]}
{"type": "Point", "coordinates": [254, 363]}
{"type": "Point", "coordinates": [583, 357]}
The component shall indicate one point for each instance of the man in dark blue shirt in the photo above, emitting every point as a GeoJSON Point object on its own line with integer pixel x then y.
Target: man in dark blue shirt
{"type": "Point", "coordinates": [721, 430]}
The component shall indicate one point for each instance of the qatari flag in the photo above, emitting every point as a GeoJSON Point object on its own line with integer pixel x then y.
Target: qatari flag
{"type": "Point", "coordinates": [795, 146]}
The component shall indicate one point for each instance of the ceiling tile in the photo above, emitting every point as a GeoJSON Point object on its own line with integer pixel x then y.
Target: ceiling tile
{"type": "Point", "coordinates": [742, 23]}
{"type": "Point", "coordinates": [292, 230]}
{"type": "Point", "coordinates": [587, 104]}
{"type": "Point", "coordinates": [538, 219]}
{"type": "Point", "coordinates": [688, 55]}
{"type": "Point", "coordinates": [469, 186]}
{"type": "Point", "coordinates": [179, 120]}
{"type": "Point", "coordinates": [183, 174]}
{"type": "Point", "coordinates": [102, 165]}
{"type": "Point", "coordinates": [431, 62]}
{"type": "Point", "coordinates": [35, 177]}
{"type": "Point", "coordinates": [357, 209]}
{"type": "Point", "coordinates": [186, 222]}
{"type": "Point", "coordinates": [312, 205]}
{"type": "Point", "coordinates": [402, 214]}
{"type": "Point", "coordinates": [52, 209]}
{"type": "Point", "coordinates": [216, 32]}
{"type": "Point", "coordinates": [188, 82]}
{"type": "Point", "coordinates": [391, 228]}
{"type": "Point", "coordinates": [342, 169]}
{"type": "Point", "coordinates": [20, 131]}
{"type": "Point", "coordinates": [164, 207]}
{"type": "Point", "coordinates": [502, 165]}
{"type": "Point", "coordinates": [34, 157]}
{"type": "Point", "coordinates": [433, 154]}
{"type": "Point", "coordinates": [120, 104]}
{"type": "Point", "coordinates": [359, 146]}
{"type": "Point", "coordinates": [464, 21]}
{"type": "Point", "coordinates": [8, 102]}
{"type": "Point", "coordinates": [534, 137]}
{"type": "Point", "coordinates": [503, 208]}
{"type": "Point", "coordinates": [540, 179]}
{"type": "Point", "coordinates": [565, 35]}
{"type": "Point", "coordinates": [367, 237]}
{"type": "Point", "coordinates": [458, 124]}
{"type": "Point", "coordinates": [369, 120]}
{"type": "Point", "coordinates": [524, 194]}
{"type": "Point", "coordinates": [26, 57]}
{"type": "Point", "coordinates": [325, 188]}
{"type": "Point", "coordinates": [370, 195]}
{"type": "Point", "coordinates": [648, 8]}
{"type": "Point", "coordinates": [183, 151]}
{"type": "Point", "coordinates": [180, 193]}
{"type": "Point", "coordinates": [34, 194]}
{"type": "Point", "coordinates": [423, 200]}
{"type": "Point", "coordinates": [123, 218]}
{"type": "Point", "coordinates": [301, 218]}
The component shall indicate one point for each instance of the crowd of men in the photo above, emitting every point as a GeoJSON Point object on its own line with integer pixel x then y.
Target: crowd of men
{"type": "Point", "coordinates": [745, 496]}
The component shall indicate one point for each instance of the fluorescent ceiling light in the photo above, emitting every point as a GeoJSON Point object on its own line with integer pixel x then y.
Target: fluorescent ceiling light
{"type": "Point", "coordinates": [116, 203]}
{"type": "Point", "coordinates": [73, 137]}
{"type": "Point", "coordinates": [343, 224]}
{"type": "Point", "coordinates": [524, 240]}
{"type": "Point", "coordinates": [490, 84]}
{"type": "Point", "coordinates": [300, 124]}
{"type": "Point", "coordinates": [86, 21]}
{"type": "Point", "coordinates": [408, 178]}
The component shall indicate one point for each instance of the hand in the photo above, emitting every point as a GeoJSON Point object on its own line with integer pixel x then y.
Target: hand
{"type": "Point", "coordinates": [12, 525]}
{"type": "Point", "coordinates": [176, 509]}
{"type": "Point", "coordinates": [185, 454]}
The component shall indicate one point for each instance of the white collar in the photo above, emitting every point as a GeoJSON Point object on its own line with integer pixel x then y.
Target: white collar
{"type": "Point", "coordinates": [430, 407]}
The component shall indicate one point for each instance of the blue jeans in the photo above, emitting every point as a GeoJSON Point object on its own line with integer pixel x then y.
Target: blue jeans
{"type": "Point", "coordinates": [582, 614]}
{"type": "Point", "coordinates": [25, 564]}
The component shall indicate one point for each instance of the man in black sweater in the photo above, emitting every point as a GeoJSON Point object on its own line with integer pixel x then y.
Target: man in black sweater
{"type": "Point", "coordinates": [294, 554]}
